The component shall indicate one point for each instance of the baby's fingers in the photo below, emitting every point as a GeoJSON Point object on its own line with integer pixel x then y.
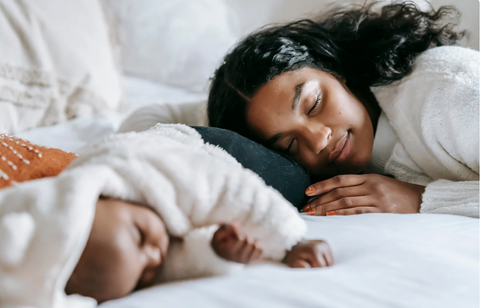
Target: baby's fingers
{"type": "Point", "coordinates": [256, 252]}
{"type": "Point", "coordinates": [299, 263]}
{"type": "Point", "coordinates": [316, 260]}
{"type": "Point", "coordinates": [328, 256]}
{"type": "Point", "coordinates": [225, 233]}
{"type": "Point", "coordinates": [235, 246]}
{"type": "Point", "coordinates": [245, 252]}
{"type": "Point", "coordinates": [320, 254]}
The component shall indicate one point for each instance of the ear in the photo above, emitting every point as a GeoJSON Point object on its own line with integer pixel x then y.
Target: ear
{"type": "Point", "coordinates": [341, 79]}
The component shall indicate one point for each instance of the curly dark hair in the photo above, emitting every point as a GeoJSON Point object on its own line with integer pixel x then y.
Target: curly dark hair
{"type": "Point", "coordinates": [363, 46]}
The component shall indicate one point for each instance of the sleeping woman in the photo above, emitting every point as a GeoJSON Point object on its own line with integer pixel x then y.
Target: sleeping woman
{"type": "Point", "coordinates": [376, 105]}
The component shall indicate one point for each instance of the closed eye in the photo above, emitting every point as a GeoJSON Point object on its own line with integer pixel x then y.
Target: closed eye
{"type": "Point", "coordinates": [141, 237]}
{"type": "Point", "coordinates": [289, 146]}
{"type": "Point", "coordinates": [317, 102]}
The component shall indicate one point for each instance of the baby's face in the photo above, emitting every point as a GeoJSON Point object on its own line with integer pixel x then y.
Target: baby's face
{"type": "Point", "coordinates": [126, 246]}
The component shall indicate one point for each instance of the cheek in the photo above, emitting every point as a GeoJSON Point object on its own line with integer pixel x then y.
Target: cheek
{"type": "Point", "coordinates": [130, 272]}
{"type": "Point", "coordinates": [345, 106]}
{"type": "Point", "coordinates": [309, 160]}
{"type": "Point", "coordinates": [364, 146]}
{"type": "Point", "coordinates": [348, 111]}
{"type": "Point", "coordinates": [266, 124]}
{"type": "Point", "coordinates": [130, 261]}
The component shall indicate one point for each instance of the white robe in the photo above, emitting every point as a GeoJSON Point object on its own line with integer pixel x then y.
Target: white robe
{"type": "Point", "coordinates": [434, 113]}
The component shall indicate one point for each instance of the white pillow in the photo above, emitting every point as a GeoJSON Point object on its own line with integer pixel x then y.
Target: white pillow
{"type": "Point", "coordinates": [177, 42]}
{"type": "Point", "coordinates": [192, 114]}
{"type": "Point", "coordinates": [56, 62]}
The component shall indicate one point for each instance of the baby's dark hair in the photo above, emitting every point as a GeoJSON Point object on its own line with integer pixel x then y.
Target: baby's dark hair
{"type": "Point", "coordinates": [363, 46]}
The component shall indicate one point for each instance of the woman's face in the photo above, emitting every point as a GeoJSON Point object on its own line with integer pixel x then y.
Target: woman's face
{"type": "Point", "coordinates": [312, 116]}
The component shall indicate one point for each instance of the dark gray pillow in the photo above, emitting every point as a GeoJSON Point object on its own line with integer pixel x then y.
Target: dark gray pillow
{"type": "Point", "coordinates": [277, 170]}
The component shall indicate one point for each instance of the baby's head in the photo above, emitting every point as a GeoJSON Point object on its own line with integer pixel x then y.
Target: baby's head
{"type": "Point", "coordinates": [127, 244]}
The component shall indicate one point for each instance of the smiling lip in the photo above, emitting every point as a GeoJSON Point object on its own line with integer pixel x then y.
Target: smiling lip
{"type": "Point", "coordinates": [339, 149]}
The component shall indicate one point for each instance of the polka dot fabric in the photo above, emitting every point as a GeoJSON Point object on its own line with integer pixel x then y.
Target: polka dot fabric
{"type": "Point", "coordinates": [22, 161]}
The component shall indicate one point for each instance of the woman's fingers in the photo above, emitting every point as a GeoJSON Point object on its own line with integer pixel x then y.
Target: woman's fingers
{"type": "Point", "coordinates": [356, 211]}
{"type": "Point", "coordinates": [337, 194]}
{"type": "Point", "coordinates": [331, 208]}
{"type": "Point", "coordinates": [344, 180]}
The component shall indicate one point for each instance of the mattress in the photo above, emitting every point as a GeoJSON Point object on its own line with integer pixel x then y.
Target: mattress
{"type": "Point", "coordinates": [382, 260]}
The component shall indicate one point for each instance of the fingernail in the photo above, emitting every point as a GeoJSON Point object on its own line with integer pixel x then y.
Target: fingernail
{"type": "Point", "coordinates": [311, 212]}
{"type": "Point", "coordinates": [309, 190]}
{"type": "Point", "coordinates": [331, 213]}
{"type": "Point", "coordinates": [306, 208]}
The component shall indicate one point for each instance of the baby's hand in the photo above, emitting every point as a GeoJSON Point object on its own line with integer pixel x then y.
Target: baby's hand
{"type": "Point", "coordinates": [229, 244]}
{"type": "Point", "coordinates": [308, 254]}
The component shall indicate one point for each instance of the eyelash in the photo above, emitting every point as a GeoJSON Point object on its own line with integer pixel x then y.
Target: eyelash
{"type": "Point", "coordinates": [289, 146]}
{"type": "Point", "coordinates": [317, 102]}
{"type": "Point", "coordinates": [142, 236]}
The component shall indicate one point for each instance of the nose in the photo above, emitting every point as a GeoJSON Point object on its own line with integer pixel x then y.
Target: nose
{"type": "Point", "coordinates": [317, 137]}
{"type": "Point", "coordinates": [154, 255]}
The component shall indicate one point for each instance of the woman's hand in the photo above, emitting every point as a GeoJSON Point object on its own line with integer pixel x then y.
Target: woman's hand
{"type": "Point", "coordinates": [229, 243]}
{"type": "Point", "coordinates": [363, 193]}
{"type": "Point", "coordinates": [307, 254]}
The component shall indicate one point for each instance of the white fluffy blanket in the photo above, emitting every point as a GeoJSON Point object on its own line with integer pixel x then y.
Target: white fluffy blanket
{"type": "Point", "coordinates": [44, 224]}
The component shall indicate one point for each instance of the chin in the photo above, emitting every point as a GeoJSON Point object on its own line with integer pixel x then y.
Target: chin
{"type": "Point", "coordinates": [326, 174]}
{"type": "Point", "coordinates": [356, 168]}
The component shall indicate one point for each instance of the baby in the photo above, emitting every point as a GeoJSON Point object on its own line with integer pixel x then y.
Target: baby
{"type": "Point", "coordinates": [59, 230]}
{"type": "Point", "coordinates": [128, 244]}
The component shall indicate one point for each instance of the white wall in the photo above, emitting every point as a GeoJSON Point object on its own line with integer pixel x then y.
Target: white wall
{"type": "Point", "coordinates": [251, 14]}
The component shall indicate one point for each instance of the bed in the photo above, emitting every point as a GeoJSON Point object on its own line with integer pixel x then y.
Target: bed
{"type": "Point", "coordinates": [382, 260]}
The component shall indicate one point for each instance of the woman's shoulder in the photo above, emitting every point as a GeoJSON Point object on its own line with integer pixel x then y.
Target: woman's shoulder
{"type": "Point", "coordinates": [450, 60]}
{"type": "Point", "coordinates": [453, 65]}
{"type": "Point", "coordinates": [434, 110]}
{"type": "Point", "coordinates": [444, 81]}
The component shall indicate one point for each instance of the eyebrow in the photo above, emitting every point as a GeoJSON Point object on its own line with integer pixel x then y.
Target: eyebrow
{"type": "Point", "coordinates": [272, 140]}
{"type": "Point", "coordinates": [298, 94]}
{"type": "Point", "coordinates": [296, 100]}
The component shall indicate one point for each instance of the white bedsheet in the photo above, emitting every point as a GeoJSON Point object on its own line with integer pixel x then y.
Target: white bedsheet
{"type": "Point", "coordinates": [382, 260]}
